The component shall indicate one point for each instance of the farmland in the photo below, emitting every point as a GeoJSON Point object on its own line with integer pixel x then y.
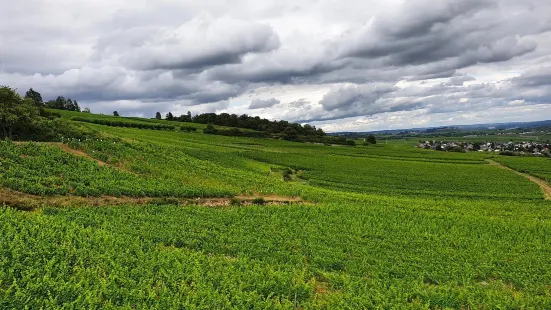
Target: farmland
{"type": "Point", "coordinates": [379, 226]}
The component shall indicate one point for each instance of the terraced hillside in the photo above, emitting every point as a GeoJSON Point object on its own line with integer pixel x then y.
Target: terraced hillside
{"type": "Point", "coordinates": [138, 217]}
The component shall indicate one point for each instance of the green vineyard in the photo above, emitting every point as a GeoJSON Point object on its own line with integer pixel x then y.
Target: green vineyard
{"type": "Point", "coordinates": [385, 226]}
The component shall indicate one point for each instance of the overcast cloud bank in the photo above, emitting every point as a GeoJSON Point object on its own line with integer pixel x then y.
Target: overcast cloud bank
{"type": "Point", "coordinates": [359, 66]}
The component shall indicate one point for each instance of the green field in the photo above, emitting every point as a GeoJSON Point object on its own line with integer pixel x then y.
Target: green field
{"type": "Point", "coordinates": [384, 226]}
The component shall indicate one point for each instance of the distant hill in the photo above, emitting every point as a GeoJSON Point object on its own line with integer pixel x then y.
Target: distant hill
{"type": "Point", "coordinates": [499, 126]}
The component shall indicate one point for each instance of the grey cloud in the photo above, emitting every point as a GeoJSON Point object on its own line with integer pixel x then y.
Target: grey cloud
{"type": "Point", "coordinates": [344, 98]}
{"type": "Point", "coordinates": [299, 104]}
{"type": "Point", "coordinates": [533, 87]}
{"type": "Point", "coordinates": [459, 80]}
{"type": "Point", "coordinates": [431, 76]}
{"type": "Point", "coordinates": [202, 42]}
{"type": "Point", "coordinates": [260, 103]}
{"type": "Point", "coordinates": [413, 44]}
{"type": "Point", "coordinates": [116, 84]}
{"type": "Point", "coordinates": [537, 77]}
{"type": "Point", "coordinates": [449, 36]}
{"type": "Point", "coordinates": [284, 67]}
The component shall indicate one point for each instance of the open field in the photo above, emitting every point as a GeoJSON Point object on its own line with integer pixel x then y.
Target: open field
{"type": "Point", "coordinates": [382, 226]}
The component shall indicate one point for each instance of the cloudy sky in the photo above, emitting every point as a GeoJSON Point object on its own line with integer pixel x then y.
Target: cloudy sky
{"type": "Point", "coordinates": [340, 65]}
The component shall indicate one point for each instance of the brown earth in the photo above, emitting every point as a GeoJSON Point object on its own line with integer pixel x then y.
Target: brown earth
{"type": "Point", "coordinates": [80, 153]}
{"type": "Point", "coordinates": [29, 202]}
{"type": "Point", "coordinates": [542, 184]}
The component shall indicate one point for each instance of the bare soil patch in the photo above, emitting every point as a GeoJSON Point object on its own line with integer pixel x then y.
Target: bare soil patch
{"type": "Point", "coordinates": [80, 153]}
{"type": "Point", "coordinates": [30, 202]}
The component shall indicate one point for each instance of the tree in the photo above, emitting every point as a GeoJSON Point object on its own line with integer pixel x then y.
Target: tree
{"type": "Point", "coordinates": [75, 104]}
{"type": "Point", "coordinates": [290, 133]}
{"type": "Point", "coordinates": [61, 103]}
{"type": "Point", "coordinates": [35, 97]}
{"type": "Point", "coordinates": [169, 116]}
{"type": "Point", "coordinates": [209, 129]}
{"type": "Point", "coordinates": [69, 105]}
{"type": "Point", "coordinates": [371, 139]}
{"type": "Point", "coordinates": [115, 113]}
{"type": "Point", "coordinates": [86, 110]}
{"type": "Point", "coordinates": [15, 112]}
{"type": "Point", "coordinates": [158, 115]}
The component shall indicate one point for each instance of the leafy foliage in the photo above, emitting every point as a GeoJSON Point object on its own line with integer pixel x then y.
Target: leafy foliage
{"type": "Point", "coordinates": [62, 103]}
{"type": "Point", "coordinates": [35, 96]}
{"type": "Point", "coordinates": [249, 122]}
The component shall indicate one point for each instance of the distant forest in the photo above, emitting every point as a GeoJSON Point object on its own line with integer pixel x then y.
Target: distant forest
{"type": "Point", "coordinates": [263, 128]}
{"type": "Point", "coordinates": [247, 122]}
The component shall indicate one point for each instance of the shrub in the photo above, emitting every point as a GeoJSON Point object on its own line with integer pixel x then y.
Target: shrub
{"type": "Point", "coordinates": [259, 201]}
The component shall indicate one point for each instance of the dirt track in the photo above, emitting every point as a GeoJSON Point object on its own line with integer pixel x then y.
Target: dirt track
{"type": "Point", "coordinates": [67, 149]}
{"type": "Point", "coordinates": [29, 202]}
{"type": "Point", "coordinates": [542, 184]}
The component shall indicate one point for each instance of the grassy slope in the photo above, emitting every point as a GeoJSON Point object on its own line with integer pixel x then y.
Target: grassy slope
{"type": "Point", "coordinates": [434, 245]}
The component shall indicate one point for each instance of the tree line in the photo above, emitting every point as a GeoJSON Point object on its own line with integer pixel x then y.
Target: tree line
{"type": "Point", "coordinates": [246, 122]}
{"type": "Point", "coordinates": [60, 103]}
{"type": "Point", "coordinates": [24, 118]}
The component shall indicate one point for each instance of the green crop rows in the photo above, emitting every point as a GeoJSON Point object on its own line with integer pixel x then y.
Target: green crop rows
{"type": "Point", "coordinates": [384, 227]}
{"type": "Point", "coordinates": [539, 167]}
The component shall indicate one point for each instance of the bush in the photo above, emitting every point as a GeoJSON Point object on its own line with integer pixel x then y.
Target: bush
{"type": "Point", "coordinates": [188, 128]}
{"type": "Point", "coordinates": [259, 201]}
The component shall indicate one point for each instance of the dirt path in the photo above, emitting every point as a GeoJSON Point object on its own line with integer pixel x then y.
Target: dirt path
{"type": "Point", "coordinates": [542, 184]}
{"type": "Point", "coordinates": [67, 149]}
{"type": "Point", "coordinates": [29, 202]}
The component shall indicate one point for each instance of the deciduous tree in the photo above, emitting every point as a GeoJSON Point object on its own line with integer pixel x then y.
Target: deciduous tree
{"type": "Point", "coordinates": [15, 111]}
{"type": "Point", "coordinates": [35, 97]}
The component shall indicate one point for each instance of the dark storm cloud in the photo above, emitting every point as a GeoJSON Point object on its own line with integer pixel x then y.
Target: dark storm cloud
{"type": "Point", "coordinates": [364, 96]}
{"type": "Point", "coordinates": [260, 103]}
